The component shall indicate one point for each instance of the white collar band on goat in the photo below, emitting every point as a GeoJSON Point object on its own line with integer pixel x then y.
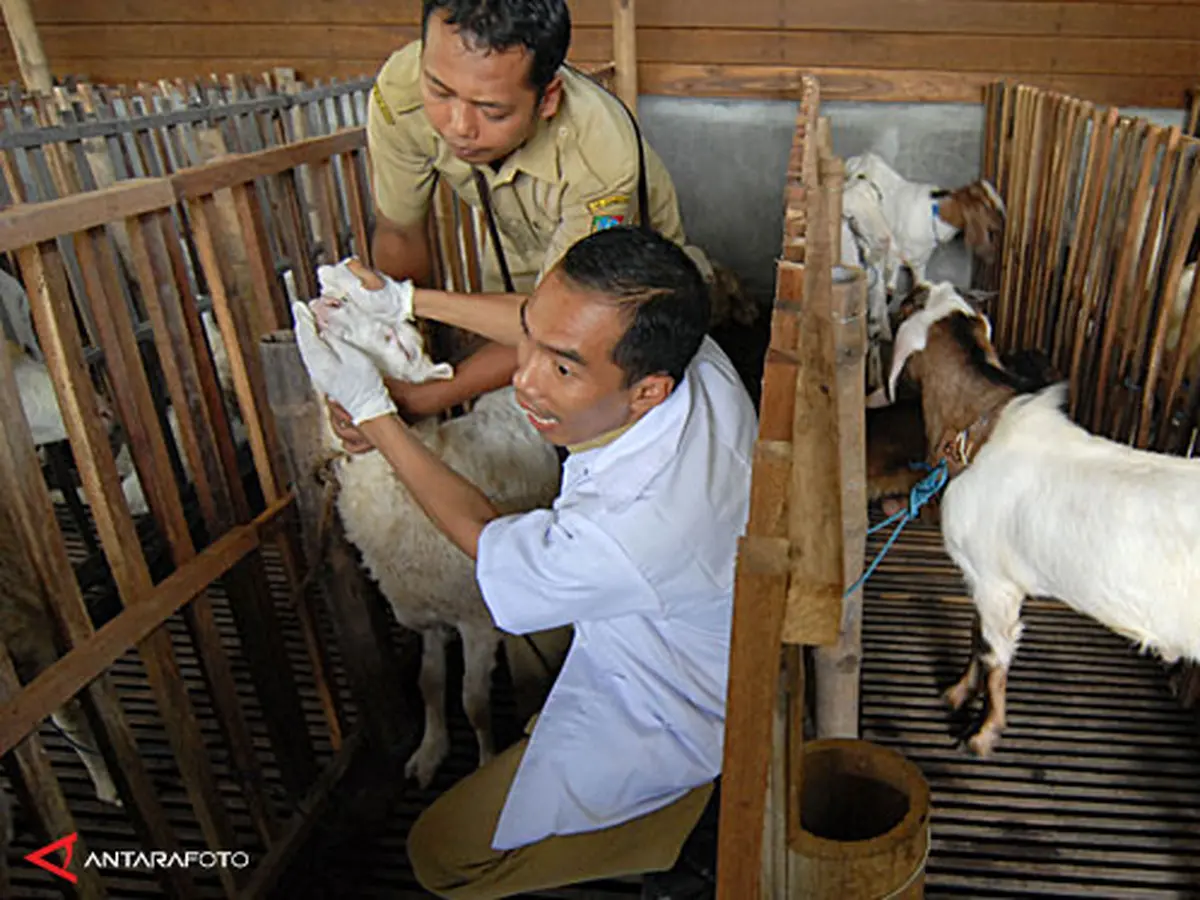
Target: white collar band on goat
{"type": "Point", "coordinates": [943, 301]}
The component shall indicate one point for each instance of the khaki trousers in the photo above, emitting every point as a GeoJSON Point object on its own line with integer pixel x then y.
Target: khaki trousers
{"type": "Point", "coordinates": [450, 845]}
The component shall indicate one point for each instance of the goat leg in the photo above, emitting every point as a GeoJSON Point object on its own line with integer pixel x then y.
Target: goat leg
{"type": "Point", "coordinates": [435, 743]}
{"type": "Point", "coordinates": [957, 695]}
{"type": "Point", "coordinates": [74, 724]}
{"type": "Point", "coordinates": [984, 741]}
{"type": "Point", "coordinates": [998, 606]}
{"type": "Point", "coordinates": [479, 659]}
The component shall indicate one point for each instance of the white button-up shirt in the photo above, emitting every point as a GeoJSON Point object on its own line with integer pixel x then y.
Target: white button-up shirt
{"type": "Point", "coordinates": [638, 554]}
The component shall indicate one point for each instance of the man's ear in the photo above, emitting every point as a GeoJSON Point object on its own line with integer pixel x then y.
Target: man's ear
{"type": "Point", "coordinates": [649, 392]}
{"type": "Point", "coordinates": [551, 98]}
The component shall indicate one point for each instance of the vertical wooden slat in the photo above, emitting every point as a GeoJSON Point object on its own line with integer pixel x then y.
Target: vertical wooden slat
{"type": "Point", "coordinates": [1175, 435]}
{"type": "Point", "coordinates": [325, 200]}
{"type": "Point", "coordinates": [1147, 148]}
{"type": "Point", "coordinates": [1076, 312]}
{"type": "Point", "coordinates": [356, 206]}
{"type": "Point", "coordinates": [1098, 281]}
{"type": "Point", "coordinates": [1136, 349]}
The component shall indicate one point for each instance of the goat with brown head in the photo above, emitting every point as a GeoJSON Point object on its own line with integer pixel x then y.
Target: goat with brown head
{"type": "Point", "coordinates": [978, 212]}
{"type": "Point", "coordinates": [946, 349]}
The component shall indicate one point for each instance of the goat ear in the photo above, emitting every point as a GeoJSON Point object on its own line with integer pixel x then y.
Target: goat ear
{"type": "Point", "coordinates": [910, 339]}
{"type": "Point", "coordinates": [982, 231]}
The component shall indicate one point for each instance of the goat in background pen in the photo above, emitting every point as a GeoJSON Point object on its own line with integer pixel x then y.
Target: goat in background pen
{"type": "Point", "coordinates": [1037, 506]}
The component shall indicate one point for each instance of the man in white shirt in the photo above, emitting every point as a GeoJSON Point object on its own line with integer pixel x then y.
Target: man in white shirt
{"type": "Point", "coordinates": [637, 554]}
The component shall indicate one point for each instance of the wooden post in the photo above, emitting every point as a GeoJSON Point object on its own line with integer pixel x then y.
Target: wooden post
{"type": "Point", "coordinates": [838, 666]}
{"type": "Point", "coordinates": [31, 57]}
{"type": "Point", "coordinates": [625, 81]}
{"type": "Point", "coordinates": [814, 608]}
{"type": "Point", "coordinates": [359, 621]}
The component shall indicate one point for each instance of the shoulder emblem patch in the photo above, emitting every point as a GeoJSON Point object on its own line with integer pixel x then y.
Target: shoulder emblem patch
{"type": "Point", "coordinates": [604, 204]}
{"type": "Point", "coordinates": [599, 223]}
{"type": "Point", "coordinates": [384, 109]}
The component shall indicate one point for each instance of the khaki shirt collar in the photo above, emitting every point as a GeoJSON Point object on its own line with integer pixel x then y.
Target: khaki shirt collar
{"type": "Point", "coordinates": [606, 438]}
{"type": "Point", "coordinates": [538, 156]}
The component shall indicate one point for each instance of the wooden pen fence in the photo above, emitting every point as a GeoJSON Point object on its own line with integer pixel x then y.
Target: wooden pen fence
{"type": "Point", "coordinates": [134, 267]}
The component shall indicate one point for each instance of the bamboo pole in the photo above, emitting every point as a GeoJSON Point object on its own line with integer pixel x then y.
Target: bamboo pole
{"type": "Point", "coordinates": [625, 81]}
{"type": "Point", "coordinates": [27, 46]}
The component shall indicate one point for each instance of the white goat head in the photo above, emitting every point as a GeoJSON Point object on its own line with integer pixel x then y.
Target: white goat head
{"type": "Point", "coordinates": [943, 300]}
{"type": "Point", "coordinates": [394, 345]}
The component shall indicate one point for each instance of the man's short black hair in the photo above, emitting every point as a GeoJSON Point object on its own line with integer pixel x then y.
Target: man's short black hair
{"type": "Point", "coordinates": [667, 297]}
{"type": "Point", "coordinates": [543, 27]}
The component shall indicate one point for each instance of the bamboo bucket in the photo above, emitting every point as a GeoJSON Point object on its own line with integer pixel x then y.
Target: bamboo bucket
{"type": "Point", "coordinates": [864, 824]}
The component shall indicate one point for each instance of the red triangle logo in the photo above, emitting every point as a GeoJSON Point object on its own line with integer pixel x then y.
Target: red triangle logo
{"type": "Point", "coordinates": [67, 844]}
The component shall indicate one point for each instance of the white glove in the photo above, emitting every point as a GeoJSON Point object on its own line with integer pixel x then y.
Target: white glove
{"type": "Point", "coordinates": [392, 303]}
{"type": "Point", "coordinates": [341, 371]}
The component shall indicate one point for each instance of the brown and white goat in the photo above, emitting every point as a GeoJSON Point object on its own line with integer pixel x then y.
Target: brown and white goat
{"type": "Point", "coordinates": [1037, 506]}
{"type": "Point", "coordinates": [902, 222]}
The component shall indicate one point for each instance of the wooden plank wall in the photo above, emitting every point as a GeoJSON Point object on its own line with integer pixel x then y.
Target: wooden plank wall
{"type": "Point", "coordinates": [1126, 52]}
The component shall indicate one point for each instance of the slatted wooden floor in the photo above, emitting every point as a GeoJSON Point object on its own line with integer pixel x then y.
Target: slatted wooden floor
{"type": "Point", "coordinates": [1095, 787]}
{"type": "Point", "coordinates": [104, 827]}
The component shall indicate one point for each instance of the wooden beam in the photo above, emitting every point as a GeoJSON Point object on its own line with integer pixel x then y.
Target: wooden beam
{"type": "Point", "coordinates": [32, 223]}
{"type": "Point", "coordinates": [27, 46]}
{"type": "Point", "coordinates": [814, 609]}
{"type": "Point", "coordinates": [240, 168]}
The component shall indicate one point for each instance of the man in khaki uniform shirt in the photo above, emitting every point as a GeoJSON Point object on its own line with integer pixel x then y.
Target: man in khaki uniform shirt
{"type": "Point", "coordinates": [485, 93]}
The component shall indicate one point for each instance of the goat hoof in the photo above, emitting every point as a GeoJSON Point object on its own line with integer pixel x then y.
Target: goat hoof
{"type": "Point", "coordinates": [109, 795]}
{"type": "Point", "coordinates": [983, 743]}
{"type": "Point", "coordinates": [424, 763]}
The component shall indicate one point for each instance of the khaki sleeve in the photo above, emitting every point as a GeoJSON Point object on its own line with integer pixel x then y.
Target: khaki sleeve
{"type": "Point", "coordinates": [586, 213]}
{"type": "Point", "coordinates": [403, 174]}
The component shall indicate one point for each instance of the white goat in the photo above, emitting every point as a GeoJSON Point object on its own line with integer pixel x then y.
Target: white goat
{"type": "Point", "coordinates": [430, 583]}
{"type": "Point", "coordinates": [902, 222]}
{"type": "Point", "coordinates": [1038, 506]}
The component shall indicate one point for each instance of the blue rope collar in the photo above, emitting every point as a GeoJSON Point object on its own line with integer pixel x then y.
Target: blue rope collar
{"type": "Point", "coordinates": [922, 492]}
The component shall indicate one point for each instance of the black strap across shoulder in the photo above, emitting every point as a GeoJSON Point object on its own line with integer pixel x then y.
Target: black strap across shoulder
{"type": "Point", "coordinates": [643, 195]}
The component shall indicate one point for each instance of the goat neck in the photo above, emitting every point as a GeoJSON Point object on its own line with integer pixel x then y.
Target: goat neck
{"type": "Point", "coordinates": [959, 403]}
